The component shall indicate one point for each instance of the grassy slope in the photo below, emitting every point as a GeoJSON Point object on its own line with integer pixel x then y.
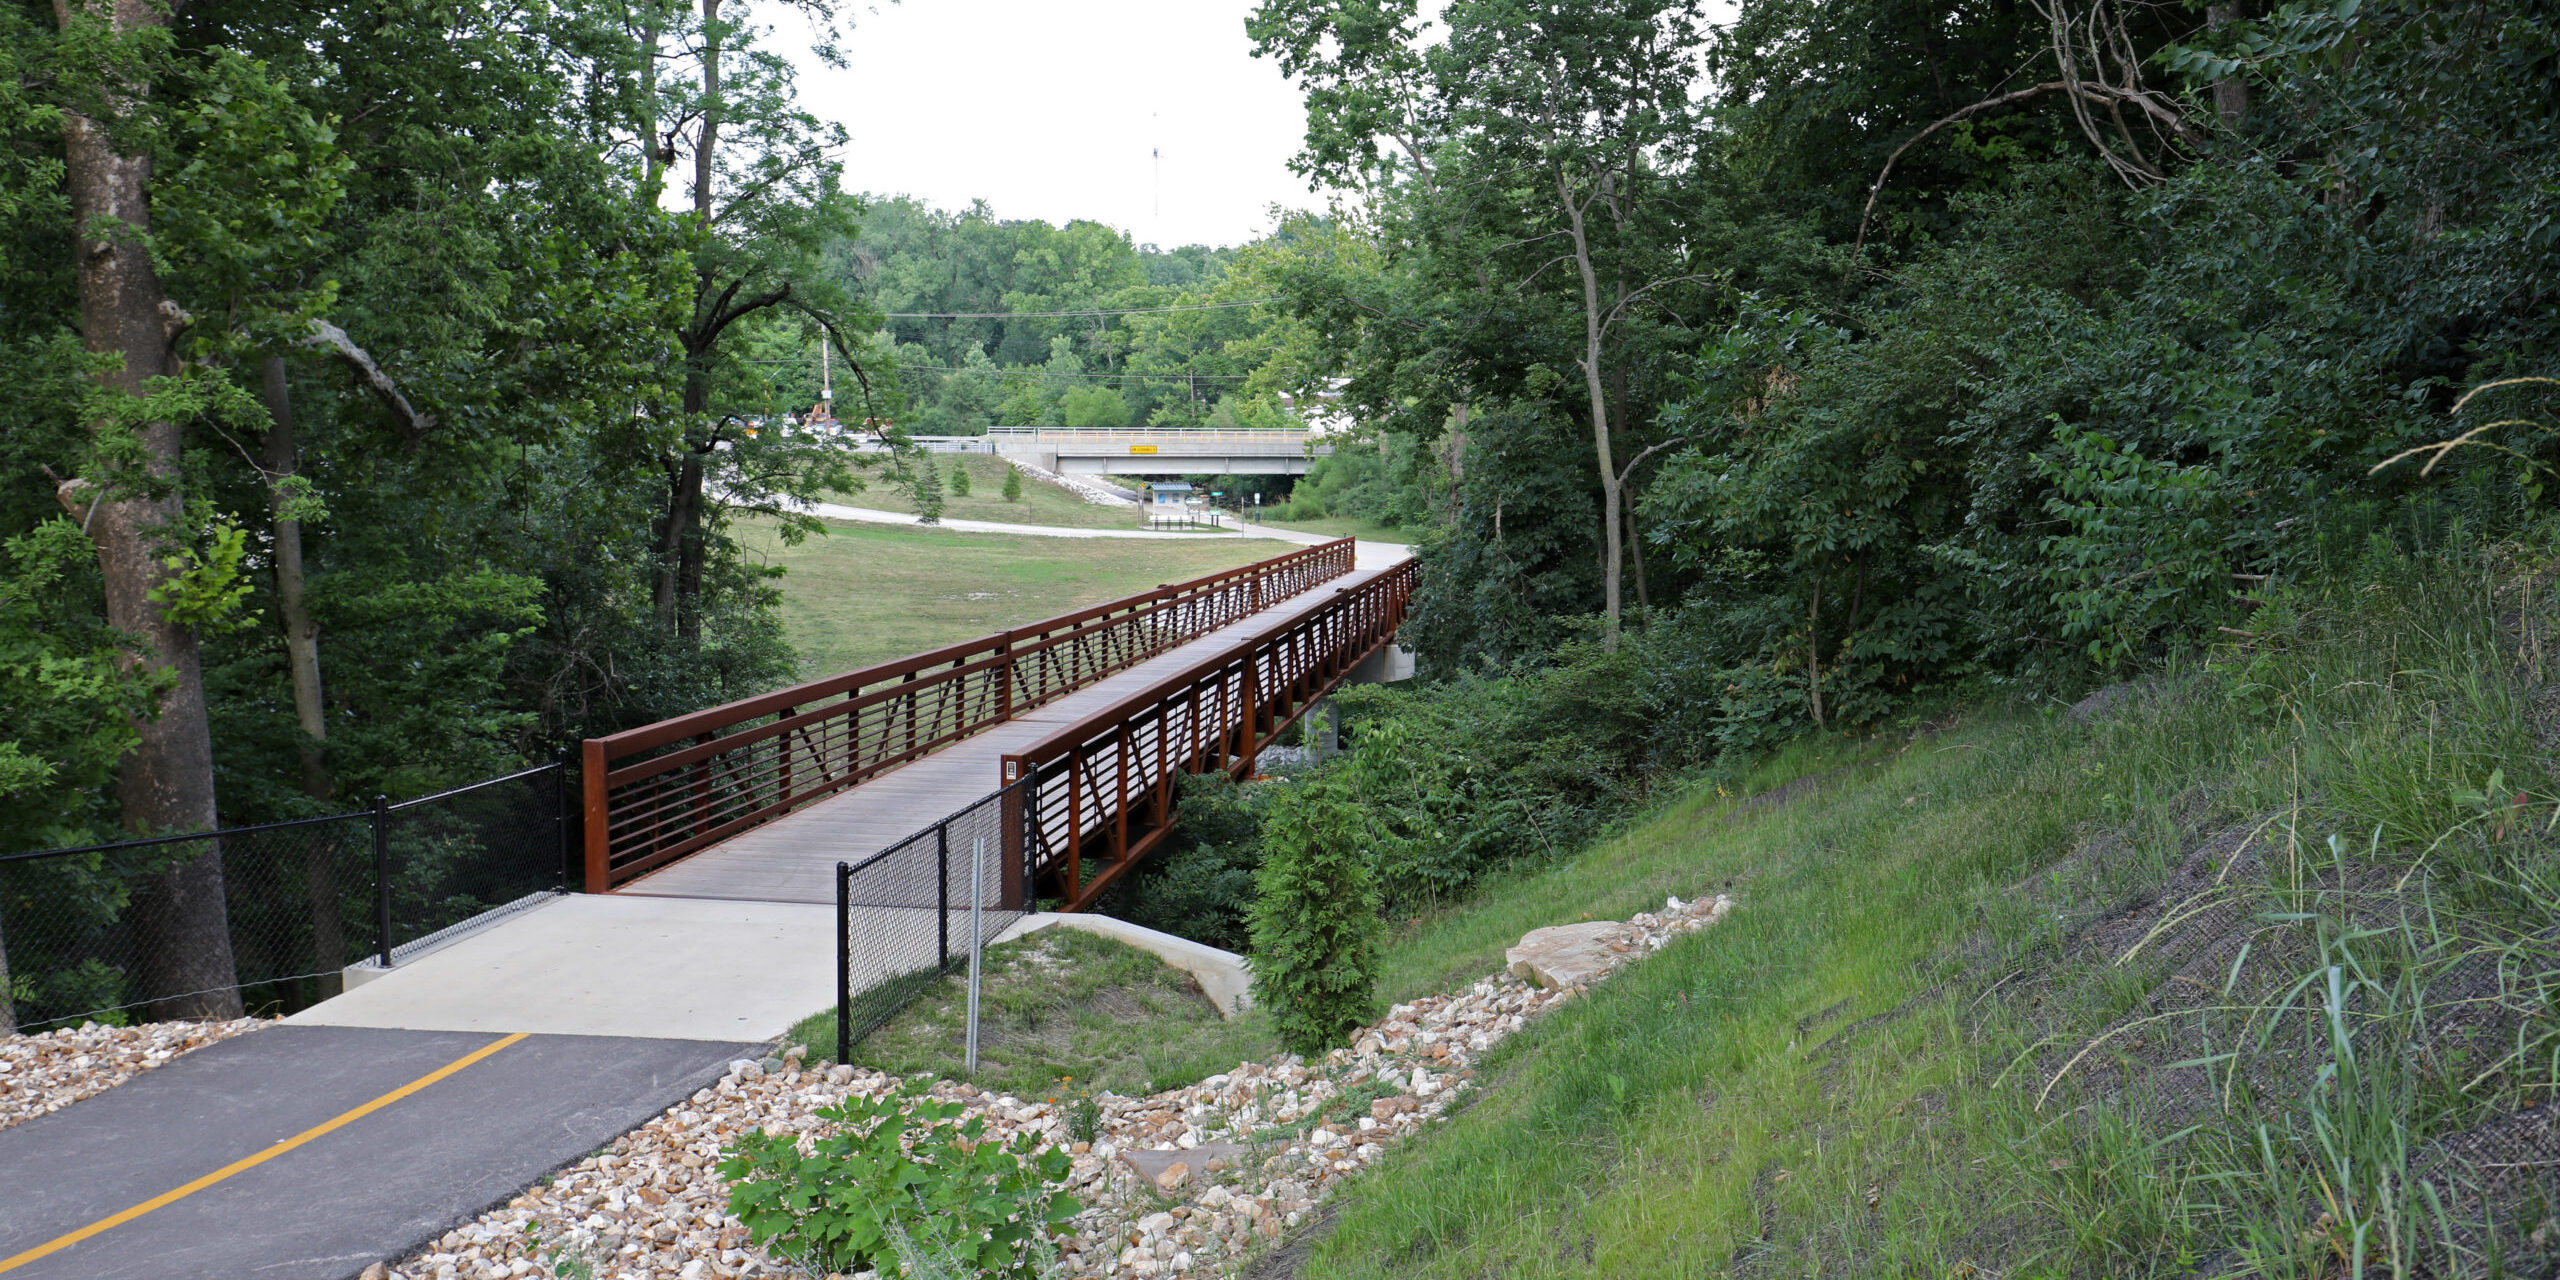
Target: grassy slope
{"type": "Point", "coordinates": [1042, 502]}
{"type": "Point", "coordinates": [1061, 1010]}
{"type": "Point", "coordinates": [1696, 1115]}
{"type": "Point", "coordinates": [869, 593]}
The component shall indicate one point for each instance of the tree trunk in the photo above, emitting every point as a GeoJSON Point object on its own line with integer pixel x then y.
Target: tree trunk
{"type": "Point", "coordinates": [680, 547]}
{"type": "Point", "coordinates": [1635, 559]}
{"type": "Point", "coordinates": [2231, 93]}
{"type": "Point", "coordinates": [679, 551]}
{"type": "Point", "coordinates": [1613, 550]}
{"type": "Point", "coordinates": [1635, 544]}
{"type": "Point", "coordinates": [167, 783]}
{"type": "Point", "coordinates": [281, 462]}
{"type": "Point", "coordinates": [706, 153]}
{"type": "Point", "coordinates": [1813, 651]}
{"type": "Point", "coordinates": [650, 174]}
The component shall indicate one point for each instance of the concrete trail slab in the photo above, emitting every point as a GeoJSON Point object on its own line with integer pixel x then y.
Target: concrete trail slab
{"type": "Point", "coordinates": [614, 965]}
{"type": "Point", "coordinates": [376, 1188]}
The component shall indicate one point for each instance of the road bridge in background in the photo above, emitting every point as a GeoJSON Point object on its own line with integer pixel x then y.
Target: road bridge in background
{"type": "Point", "coordinates": [1149, 451]}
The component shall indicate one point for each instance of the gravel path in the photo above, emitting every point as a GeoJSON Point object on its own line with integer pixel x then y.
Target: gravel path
{"type": "Point", "coordinates": [53, 1069]}
{"type": "Point", "coordinates": [1188, 1183]}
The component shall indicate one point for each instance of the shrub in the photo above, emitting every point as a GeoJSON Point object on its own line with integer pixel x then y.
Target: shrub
{"type": "Point", "coordinates": [1202, 888]}
{"type": "Point", "coordinates": [1012, 484]}
{"type": "Point", "coordinates": [960, 479]}
{"type": "Point", "coordinates": [1315, 914]}
{"type": "Point", "coordinates": [900, 1174]}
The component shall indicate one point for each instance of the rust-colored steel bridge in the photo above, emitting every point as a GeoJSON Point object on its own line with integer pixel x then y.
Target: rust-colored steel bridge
{"type": "Point", "coordinates": [1079, 726]}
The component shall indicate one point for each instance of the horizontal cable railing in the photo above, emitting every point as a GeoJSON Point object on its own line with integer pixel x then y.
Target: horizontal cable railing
{"type": "Point", "coordinates": [658, 792]}
{"type": "Point", "coordinates": [1103, 790]}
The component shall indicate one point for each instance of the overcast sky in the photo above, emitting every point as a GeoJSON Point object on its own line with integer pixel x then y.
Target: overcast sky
{"type": "Point", "coordinates": [1055, 109]}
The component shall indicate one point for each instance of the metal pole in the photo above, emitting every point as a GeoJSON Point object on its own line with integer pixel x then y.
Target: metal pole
{"type": "Point", "coordinates": [382, 876]}
{"type": "Point", "coordinates": [844, 963]}
{"type": "Point", "coordinates": [560, 821]}
{"type": "Point", "coordinates": [942, 899]}
{"type": "Point", "coordinates": [977, 939]}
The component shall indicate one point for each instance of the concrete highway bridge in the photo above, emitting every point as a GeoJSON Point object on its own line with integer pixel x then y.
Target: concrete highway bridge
{"type": "Point", "coordinates": [1143, 452]}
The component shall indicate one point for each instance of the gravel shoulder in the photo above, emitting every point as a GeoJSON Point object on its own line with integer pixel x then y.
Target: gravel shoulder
{"type": "Point", "coordinates": [50, 1070]}
{"type": "Point", "coordinates": [1192, 1182]}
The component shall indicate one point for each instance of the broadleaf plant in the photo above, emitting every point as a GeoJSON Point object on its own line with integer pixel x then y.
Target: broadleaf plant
{"type": "Point", "coordinates": [902, 1172]}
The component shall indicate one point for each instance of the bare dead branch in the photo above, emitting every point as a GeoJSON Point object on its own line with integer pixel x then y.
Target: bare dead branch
{"type": "Point", "coordinates": [1876, 188]}
{"type": "Point", "coordinates": [334, 340]}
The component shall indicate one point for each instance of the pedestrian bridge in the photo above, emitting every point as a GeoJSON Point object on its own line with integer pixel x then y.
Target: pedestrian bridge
{"type": "Point", "coordinates": [1063, 741]}
{"type": "Point", "coordinates": [839, 840]}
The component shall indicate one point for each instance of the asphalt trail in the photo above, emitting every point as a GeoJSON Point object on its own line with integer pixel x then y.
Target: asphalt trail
{"type": "Point", "coordinates": [426, 1156]}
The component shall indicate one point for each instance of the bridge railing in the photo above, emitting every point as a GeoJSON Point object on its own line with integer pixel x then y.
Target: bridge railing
{"type": "Point", "coordinates": [658, 792]}
{"type": "Point", "coordinates": [1290, 442]}
{"type": "Point", "coordinates": [1103, 790]}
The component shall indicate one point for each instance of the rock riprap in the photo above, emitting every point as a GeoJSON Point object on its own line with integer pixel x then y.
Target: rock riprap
{"type": "Point", "coordinates": [51, 1070]}
{"type": "Point", "coordinates": [1186, 1183]}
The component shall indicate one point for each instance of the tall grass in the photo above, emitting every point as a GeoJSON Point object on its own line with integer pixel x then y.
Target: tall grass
{"type": "Point", "coordinates": [2237, 982]}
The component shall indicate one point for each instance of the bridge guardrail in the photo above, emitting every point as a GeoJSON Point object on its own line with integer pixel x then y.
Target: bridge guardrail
{"type": "Point", "coordinates": [658, 792]}
{"type": "Point", "coordinates": [1104, 789]}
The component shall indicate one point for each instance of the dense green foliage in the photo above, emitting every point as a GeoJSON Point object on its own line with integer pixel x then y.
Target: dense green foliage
{"type": "Point", "coordinates": [901, 1183]}
{"type": "Point", "coordinates": [2047, 415]}
{"type": "Point", "coordinates": [974, 304]}
{"type": "Point", "coordinates": [1201, 885]}
{"type": "Point", "coordinates": [1314, 921]}
{"type": "Point", "coordinates": [2249, 974]}
{"type": "Point", "coordinates": [501, 549]}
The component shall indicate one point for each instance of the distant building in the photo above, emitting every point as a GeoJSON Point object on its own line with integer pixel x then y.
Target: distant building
{"type": "Point", "coordinates": [1169, 492]}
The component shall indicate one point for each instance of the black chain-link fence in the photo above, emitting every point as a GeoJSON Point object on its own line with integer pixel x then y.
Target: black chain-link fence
{"type": "Point", "coordinates": [903, 915]}
{"type": "Point", "coordinates": [119, 930]}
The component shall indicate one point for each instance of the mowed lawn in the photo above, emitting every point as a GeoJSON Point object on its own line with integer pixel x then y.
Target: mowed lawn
{"type": "Point", "coordinates": [1041, 501]}
{"type": "Point", "coordinates": [868, 593]}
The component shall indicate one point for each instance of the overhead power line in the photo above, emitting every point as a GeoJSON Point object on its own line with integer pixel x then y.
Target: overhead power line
{"type": "Point", "coordinates": [1043, 373]}
{"type": "Point", "coordinates": [1058, 315]}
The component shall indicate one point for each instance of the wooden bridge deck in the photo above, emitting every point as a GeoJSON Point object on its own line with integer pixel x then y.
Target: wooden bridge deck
{"type": "Point", "coordinates": [793, 858]}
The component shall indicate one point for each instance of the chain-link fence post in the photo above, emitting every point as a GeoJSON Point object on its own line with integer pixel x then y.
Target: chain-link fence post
{"type": "Point", "coordinates": [844, 962]}
{"type": "Point", "coordinates": [382, 876]}
{"type": "Point", "coordinates": [977, 940]}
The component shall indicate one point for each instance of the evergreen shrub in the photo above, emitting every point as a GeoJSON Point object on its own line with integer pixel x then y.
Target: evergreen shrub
{"type": "Point", "coordinates": [1315, 922]}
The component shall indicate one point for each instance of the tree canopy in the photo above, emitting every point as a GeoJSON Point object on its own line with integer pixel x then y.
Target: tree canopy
{"type": "Point", "coordinates": [1913, 349]}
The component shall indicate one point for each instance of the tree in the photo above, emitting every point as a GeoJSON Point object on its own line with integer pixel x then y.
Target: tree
{"type": "Point", "coordinates": [1099, 408]}
{"type": "Point", "coordinates": [764, 202]}
{"type": "Point", "coordinates": [1012, 483]}
{"type": "Point", "coordinates": [1542, 136]}
{"type": "Point", "coordinates": [1314, 920]}
{"type": "Point", "coordinates": [132, 501]}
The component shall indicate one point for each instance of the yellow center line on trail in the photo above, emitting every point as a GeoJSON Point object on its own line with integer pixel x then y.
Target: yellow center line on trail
{"type": "Point", "coordinates": [334, 1123]}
